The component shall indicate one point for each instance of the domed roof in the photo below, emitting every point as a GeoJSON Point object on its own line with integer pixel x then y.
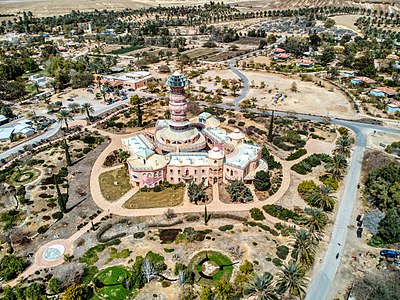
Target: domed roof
{"type": "Point", "coordinates": [215, 153]}
{"type": "Point", "coordinates": [236, 135]}
{"type": "Point", "coordinates": [177, 80]}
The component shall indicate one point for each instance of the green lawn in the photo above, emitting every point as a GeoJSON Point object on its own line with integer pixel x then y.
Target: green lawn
{"type": "Point", "coordinates": [114, 184]}
{"type": "Point", "coordinates": [219, 258]}
{"type": "Point", "coordinates": [115, 292]}
{"type": "Point", "coordinates": [167, 198]}
{"type": "Point", "coordinates": [112, 275]}
{"type": "Point", "coordinates": [114, 254]}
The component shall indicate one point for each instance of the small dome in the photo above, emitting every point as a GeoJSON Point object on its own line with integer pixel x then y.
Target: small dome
{"type": "Point", "coordinates": [215, 153]}
{"type": "Point", "coordinates": [236, 135]}
{"type": "Point", "coordinates": [177, 80]}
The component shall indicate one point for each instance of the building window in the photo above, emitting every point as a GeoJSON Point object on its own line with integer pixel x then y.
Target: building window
{"type": "Point", "coordinates": [202, 171]}
{"type": "Point", "coordinates": [179, 172]}
{"type": "Point", "coordinates": [172, 178]}
{"type": "Point", "coordinates": [195, 171]}
{"type": "Point", "coordinates": [171, 171]}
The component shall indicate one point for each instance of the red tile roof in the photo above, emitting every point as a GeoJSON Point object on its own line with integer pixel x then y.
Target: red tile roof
{"type": "Point", "coordinates": [392, 56]}
{"type": "Point", "coordinates": [282, 55]}
{"type": "Point", "coordinates": [394, 104]}
{"type": "Point", "coordinates": [365, 79]}
{"type": "Point", "coordinates": [386, 90]}
{"type": "Point", "coordinates": [279, 50]}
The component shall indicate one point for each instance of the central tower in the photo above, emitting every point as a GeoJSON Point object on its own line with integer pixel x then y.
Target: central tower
{"type": "Point", "coordinates": [177, 134]}
{"type": "Point", "coordinates": [177, 101]}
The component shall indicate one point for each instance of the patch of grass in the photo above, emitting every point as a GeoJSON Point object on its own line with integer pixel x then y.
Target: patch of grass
{"type": "Point", "coordinates": [114, 292]}
{"type": "Point", "coordinates": [114, 184]}
{"type": "Point", "coordinates": [166, 198]}
{"type": "Point", "coordinates": [219, 258]}
{"type": "Point", "coordinates": [26, 176]}
{"type": "Point", "coordinates": [113, 275]}
{"type": "Point", "coordinates": [88, 274]}
{"type": "Point", "coordinates": [114, 254]}
{"type": "Point", "coordinates": [90, 257]}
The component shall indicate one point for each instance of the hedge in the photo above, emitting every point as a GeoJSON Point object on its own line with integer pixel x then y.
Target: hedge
{"type": "Point", "coordinates": [282, 213]}
{"type": "Point", "coordinates": [295, 155]}
{"type": "Point", "coordinates": [225, 227]}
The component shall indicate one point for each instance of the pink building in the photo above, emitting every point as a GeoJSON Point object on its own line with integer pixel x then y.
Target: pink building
{"type": "Point", "coordinates": [183, 150]}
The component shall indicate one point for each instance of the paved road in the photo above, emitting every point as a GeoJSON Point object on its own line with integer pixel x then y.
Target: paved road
{"type": "Point", "coordinates": [54, 129]}
{"type": "Point", "coordinates": [245, 80]}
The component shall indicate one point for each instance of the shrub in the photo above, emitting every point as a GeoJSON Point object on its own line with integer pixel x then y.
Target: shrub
{"type": "Point", "coordinates": [257, 214]}
{"type": "Point", "coordinates": [241, 124]}
{"type": "Point", "coordinates": [343, 131]}
{"type": "Point", "coordinates": [139, 235]}
{"type": "Point", "coordinates": [332, 182]}
{"type": "Point", "coordinates": [169, 250]}
{"type": "Point", "coordinates": [282, 252]}
{"type": "Point", "coordinates": [57, 215]}
{"type": "Point", "coordinates": [277, 262]}
{"type": "Point", "coordinates": [282, 213]}
{"type": "Point", "coordinates": [42, 229]}
{"type": "Point", "coordinates": [295, 155]}
{"type": "Point", "coordinates": [262, 181]}
{"type": "Point", "coordinates": [305, 187]}
{"type": "Point", "coordinates": [225, 227]}
{"type": "Point", "coordinates": [165, 283]}
{"type": "Point", "coordinates": [86, 150]}
{"type": "Point", "coordinates": [231, 121]}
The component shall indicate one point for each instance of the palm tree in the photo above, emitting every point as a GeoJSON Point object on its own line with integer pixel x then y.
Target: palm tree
{"type": "Point", "coordinates": [315, 221]}
{"type": "Point", "coordinates": [261, 288]}
{"type": "Point", "coordinates": [64, 116]}
{"type": "Point", "coordinates": [89, 109]}
{"type": "Point", "coordinates": [337, 165]}
{"type": "Point", "coordinates": [304, 247]}
{"type": "Point", "coordinates": [322, 197]}
{"type": "Point", "coordinates": [343, 145]}
{"type": "Point", "coordinates": [74, 107]}
{"type": "Point", "coordinates": [292, 280]}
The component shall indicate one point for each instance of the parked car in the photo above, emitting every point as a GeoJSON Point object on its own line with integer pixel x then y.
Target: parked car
{"type": "Point", "coordinates": [358, 219]}
{"type": "Point", "coordinates": [70, 99]}
{"type": "Point", "coordinates": [359, 232]}
{"type": "Point", "coordinates": [389, 253]}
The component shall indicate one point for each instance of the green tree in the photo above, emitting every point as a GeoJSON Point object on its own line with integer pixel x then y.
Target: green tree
{"type": "Point", "coordinates": [261, 288]}
{"type": "Point", "coordinates": [67, 154]}
{"type": "Point", "coordinates": [239, 192]}
{"type": "Point", "coordinates": [61, 199]}
{"type": "Point", "coordinates": [365, 65]}
{"type": "Point", "coordinates": [337, 165]}
{"type": "Point", "coordinates": [327, 55]}
{"type": "Point", "coordinates": [196, 192]}
{"type": "Point", "coordinates": [54, 286]}
{"type": "Point", "coordinates": [136, 278]}
{"type": "Point", "coordinates": [271, 128]}
{"type": "Point", "coordinates": [74, 292]}
{"type": "Point", "coordinates": [224, 290]}
{"type": "Point", "coordinates": [306, 187]}
{"type": "Point", "coordinates": [89, 109]}
{"type": "Point", "coordinates": [304, 248]}
{"type": "Point", "coordinates": [262, 181]}
{"type": "Point", "coordinates": [322, 198]}
{"type": "Point", "coordinates": [206, 293]}
{"type": "Point", "coordinates": [292, 280]}
{"type": "Point", "coordinates": [135, 101]}
{"type": "Point", "coordinates": [11, 266]}
{"type": "Point", "coordinates": [389, 227]}
{"type": "Point", "coordinates": [315, 221]}
{"type": "Point", "coordinates": [64, 116]}
{"type": "Point", "coordinates": [343, 145]}
{"type": "Point", "coordinates": [167, 114]}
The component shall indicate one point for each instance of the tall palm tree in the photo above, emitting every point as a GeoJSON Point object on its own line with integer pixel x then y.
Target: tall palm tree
{"type": "Point", "coordinates": [89, 109]}
{"type": "Point", "coordinates": [292, 280]}
{"type": "Point", "coordinates": [343, 145]}
{"type": "Point", "coordinates": [337, 165]}
{"type": "Point", "coordinates": [304, 247]}
{"type": "Point", "coordinates": [315, 222]}
{"type": "Point", "coordinates": [64, 116]}
{"type": "Point", "coordinates": [261, 288]}
{"type": "Point", "coordinates": [322, 197]}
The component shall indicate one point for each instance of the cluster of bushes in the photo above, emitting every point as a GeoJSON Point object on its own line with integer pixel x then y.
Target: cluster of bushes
{"type": "Point", "coordinates": [272, 163]}
{"type": "Point", "coordinates": [285, 230]}
{"type": "Point", "coordinates": [282, 213]}
{"type": "Point", "coordinates": [297, 154]}
{"type": "Point", "coordinates": [11, 266]}
{"type": "Point", "coordinates": [289, 140]}
{"type": "Point", "coordinates": [262, 226]}
{"type": "Point", "coordinates": [164, 185]}
{"type": "Point", "coordinates": [306, 187]}
{"type": "Point", "coordinates": [393, 148]}
{"type": "Point", "coordinates": [257, 214]}
{"type": "Point", "coordinates": [306, 165]}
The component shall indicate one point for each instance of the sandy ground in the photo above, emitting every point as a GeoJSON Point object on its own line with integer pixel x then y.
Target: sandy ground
{"type": "Point", "coordinates": [310, 98]}
{"type": "Point", "coordinates": [346, 21]}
